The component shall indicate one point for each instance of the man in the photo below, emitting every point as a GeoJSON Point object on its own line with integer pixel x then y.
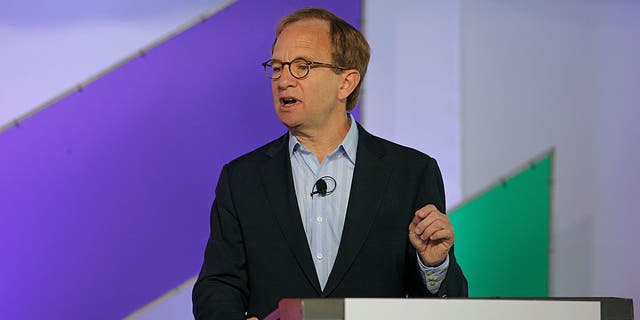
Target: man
{"type": "Point", "coordinates": [327, 210]}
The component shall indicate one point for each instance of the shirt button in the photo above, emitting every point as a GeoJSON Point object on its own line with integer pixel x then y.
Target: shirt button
{"type": "Point", "coordinates": [432, 278]}
{"type": "Point", "coordinates": [430, 273]}
{"type": "Point", "coordinates": [319, 256]}
{"type": "Point", "coordinates": [319, 219]}
{"type": "Point", "coordinates": [431, 283]}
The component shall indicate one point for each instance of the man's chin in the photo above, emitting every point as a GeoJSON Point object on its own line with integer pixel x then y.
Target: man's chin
{"type": "Point", "coordinates": [293, 127]}
{"type": "Point", "coordinates": [289, 122]}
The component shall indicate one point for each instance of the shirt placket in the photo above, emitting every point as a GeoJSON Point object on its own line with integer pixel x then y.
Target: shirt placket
{"type": "Point", "coordinates": [318, 221]}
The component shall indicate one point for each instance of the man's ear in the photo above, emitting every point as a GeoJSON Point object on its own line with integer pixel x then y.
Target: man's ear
{"type": "Point", "coordinates": [350, 80]}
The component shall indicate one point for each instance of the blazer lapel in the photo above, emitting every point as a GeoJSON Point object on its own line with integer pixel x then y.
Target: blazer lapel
{"type": "Point", "coordinates": [277, 181]}
{"type": "Point", "coordinates": [370, 179]}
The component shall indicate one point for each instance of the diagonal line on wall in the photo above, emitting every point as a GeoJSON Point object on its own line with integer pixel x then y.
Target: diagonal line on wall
{"type": "Point", "coordinates": [140, 53]}
{"type": "Point", "coordinates": [184, 286]}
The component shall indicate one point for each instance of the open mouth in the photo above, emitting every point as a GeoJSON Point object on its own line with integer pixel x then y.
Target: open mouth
{"type": "Point", "coordinates": [288, 101]}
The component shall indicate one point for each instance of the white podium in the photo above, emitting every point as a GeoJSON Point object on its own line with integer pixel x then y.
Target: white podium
{"type": "Point", "coordinates": [455, 309]}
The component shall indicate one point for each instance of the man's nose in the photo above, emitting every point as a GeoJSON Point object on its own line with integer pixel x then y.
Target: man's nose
{"type": "Point", "coordinates": [286, 78]}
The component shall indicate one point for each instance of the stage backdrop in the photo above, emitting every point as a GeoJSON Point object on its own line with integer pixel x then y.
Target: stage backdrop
{"type": "Point", "coordinates": [106, 193]}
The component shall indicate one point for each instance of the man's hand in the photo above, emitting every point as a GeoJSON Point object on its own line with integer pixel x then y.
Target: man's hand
{"type": "Point", "coordinates": [431, 233]}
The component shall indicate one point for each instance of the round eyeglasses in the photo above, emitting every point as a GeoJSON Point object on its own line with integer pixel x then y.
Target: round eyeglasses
{"type": "Point", "coordinates": [299, 68]}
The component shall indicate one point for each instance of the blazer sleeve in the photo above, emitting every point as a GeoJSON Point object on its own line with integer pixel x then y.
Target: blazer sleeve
{"type": "Point", "coordinates": [431, 191]}
{"type": "Point", "coordinates": [221, 290]}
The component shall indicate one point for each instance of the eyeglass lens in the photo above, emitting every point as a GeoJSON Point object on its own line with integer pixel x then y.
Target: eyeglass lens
{"type": "Point", "coordinates": [299, 68]}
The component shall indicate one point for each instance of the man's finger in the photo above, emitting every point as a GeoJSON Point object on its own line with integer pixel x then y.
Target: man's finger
{"type": "Point", "coordinates": [426, 222]}
{"type": "Point", "coordinates": [426, 211]}
{"type": "Point", "coordinates": [442, 234]}
{"type": "Point", "coordinates": [415, 221]}
{"type": "Point", "coordinates": [435, 226]}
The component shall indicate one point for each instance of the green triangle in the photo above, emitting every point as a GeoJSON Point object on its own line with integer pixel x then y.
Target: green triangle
{"type": "Point", "coordinates": [502, 235]}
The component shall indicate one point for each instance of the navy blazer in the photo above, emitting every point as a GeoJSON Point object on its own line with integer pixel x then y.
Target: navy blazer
{"type": "Point", "coordinates": [257, 252]}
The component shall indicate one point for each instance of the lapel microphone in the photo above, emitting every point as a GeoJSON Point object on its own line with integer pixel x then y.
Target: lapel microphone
{"type": "Point", "coordinates": [320, 187]}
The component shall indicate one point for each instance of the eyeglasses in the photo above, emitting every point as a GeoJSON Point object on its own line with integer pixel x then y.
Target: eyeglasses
{"type": "Point", "coordinates": [299, 68]}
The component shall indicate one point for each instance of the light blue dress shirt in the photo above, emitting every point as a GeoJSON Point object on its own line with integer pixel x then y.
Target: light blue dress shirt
{"type": "Point", "coordinates": [323, 216]}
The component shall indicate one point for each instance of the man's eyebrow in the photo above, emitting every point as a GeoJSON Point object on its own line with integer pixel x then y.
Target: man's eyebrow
{"type": "Point", "coordinates": [295, 58]}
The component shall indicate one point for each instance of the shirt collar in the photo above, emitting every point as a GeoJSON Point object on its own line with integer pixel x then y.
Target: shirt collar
{"type": "Point", "coordinates": [349, 144]}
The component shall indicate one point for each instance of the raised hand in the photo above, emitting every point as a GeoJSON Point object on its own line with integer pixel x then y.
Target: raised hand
{"type": "Point", "coordinates": [431, 233]}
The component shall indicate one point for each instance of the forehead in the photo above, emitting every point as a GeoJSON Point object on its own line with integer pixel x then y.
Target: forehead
{"type": "Point", "coordinates": [306, 38]}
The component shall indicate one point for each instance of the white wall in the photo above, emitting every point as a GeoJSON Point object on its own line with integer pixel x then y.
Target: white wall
{"type": "Point", "coordinates": [411, 93]}
{"type": "Point", "coordinates": [563, 74]}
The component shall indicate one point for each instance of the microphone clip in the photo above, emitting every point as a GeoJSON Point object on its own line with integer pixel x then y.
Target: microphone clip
{"type": "Point", "coordinates": [322, 188]}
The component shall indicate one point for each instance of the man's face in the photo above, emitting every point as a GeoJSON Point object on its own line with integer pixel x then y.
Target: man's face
{"type": "Point", "coordinates": [312, 102]}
